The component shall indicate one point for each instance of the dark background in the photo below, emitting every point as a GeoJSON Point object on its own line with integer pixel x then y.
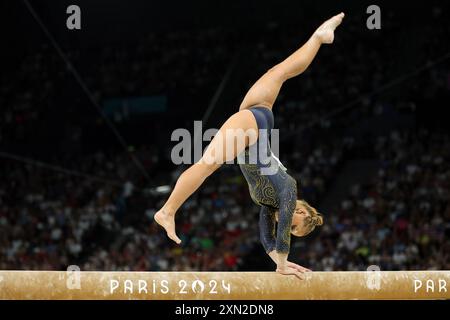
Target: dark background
{"type": "Point", "coordinates": [363, 129]}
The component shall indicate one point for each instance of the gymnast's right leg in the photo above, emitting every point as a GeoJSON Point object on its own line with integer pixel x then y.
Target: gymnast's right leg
{"type": "Point", "coordinates": [265, 90]}
{"type": "Point", "coordinates": [224, 147]}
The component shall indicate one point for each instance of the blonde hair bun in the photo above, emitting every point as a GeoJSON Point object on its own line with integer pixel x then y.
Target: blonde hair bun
{"type": "Point", "coordinates": [317, 219]}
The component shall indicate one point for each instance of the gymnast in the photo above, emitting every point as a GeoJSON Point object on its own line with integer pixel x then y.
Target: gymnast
{"type": "Point", "coordinates": [276, 192]}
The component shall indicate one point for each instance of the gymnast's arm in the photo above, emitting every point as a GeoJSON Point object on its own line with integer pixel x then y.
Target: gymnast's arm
{"type": "Point", "coordinates": [283, 238]}
{"type": "Point", "coordinates": [267, 218]}
{"type": "Point", "coordinates": [267, 230]}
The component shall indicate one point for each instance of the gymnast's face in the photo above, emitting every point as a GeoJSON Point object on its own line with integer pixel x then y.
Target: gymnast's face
{"type": "Point", "coordinates": [299, 221]}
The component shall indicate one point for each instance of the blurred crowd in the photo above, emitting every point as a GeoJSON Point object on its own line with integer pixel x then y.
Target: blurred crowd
{"type": "Point", "coordinates": [95, 209]}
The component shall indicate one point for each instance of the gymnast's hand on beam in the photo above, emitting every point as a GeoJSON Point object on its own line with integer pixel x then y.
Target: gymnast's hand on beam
{"type": "Point", "coordinates": [285, 270]}
{"type": "Point", "coordinates": [297, 267]}
{"type": "Point", "coordinates": [290, 268]}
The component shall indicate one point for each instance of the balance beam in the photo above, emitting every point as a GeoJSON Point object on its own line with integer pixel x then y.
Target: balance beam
{"type": "Point", "coordinates": [86, 285]}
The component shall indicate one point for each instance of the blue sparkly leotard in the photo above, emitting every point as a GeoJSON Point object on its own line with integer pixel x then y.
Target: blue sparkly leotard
{"type": "Point", "coordinates": [273, 190]}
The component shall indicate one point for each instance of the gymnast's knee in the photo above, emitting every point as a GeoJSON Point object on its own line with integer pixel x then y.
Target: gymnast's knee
{"type": "Point", "coordinates": [206, 168]}
{"type": "Point", "coordinates": [278, 73]}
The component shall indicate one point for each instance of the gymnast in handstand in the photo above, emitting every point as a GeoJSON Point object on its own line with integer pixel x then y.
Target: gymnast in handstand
{"type": "Point", "coordinates": [275, 192]}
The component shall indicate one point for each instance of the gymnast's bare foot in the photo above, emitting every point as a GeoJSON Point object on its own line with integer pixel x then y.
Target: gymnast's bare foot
{"type": "Point", "coordinates": [325, 33]}
{"type": "Point", "coordinates": [167, 221]}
